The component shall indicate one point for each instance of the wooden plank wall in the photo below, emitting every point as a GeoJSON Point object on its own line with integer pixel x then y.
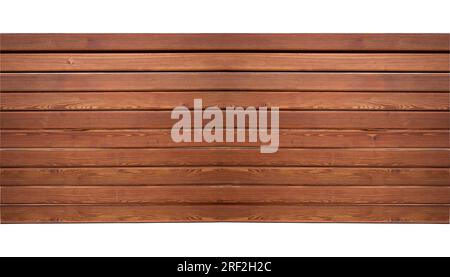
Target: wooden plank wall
{"type": "Point", "coordinates": [85, 128]}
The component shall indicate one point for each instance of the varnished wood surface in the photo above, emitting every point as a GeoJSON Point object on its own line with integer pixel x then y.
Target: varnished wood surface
{"type": "Point", "coordinates": [287, 120]}
{"type": "Point", "coordinates": [228, 42]}
{"type": "Point", "coordinates": [224, 194]}
{"type": "Point", "coordinates": [226, 213]}
{"type": "Point", "coordinates": [158, 138]}
{"type": "Point", "coordinates": [242, 175]}
{"type": "Point", "coordinates": [85, 128]}
{"type": "Point", "coordinates": [66, 101]}
{"type": "Point", "coordinates": [224, 62]}
{"type": "Point", "coordinates": [55, 157]}
{"type": "Point", "coordinates": [185, 81]}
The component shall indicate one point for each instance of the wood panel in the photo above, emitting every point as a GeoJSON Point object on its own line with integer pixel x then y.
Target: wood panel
{"type": "Point", "coordinates": [85, 176]}
{"type": "Point", "coordinates": [162, 120]}
{"type": "Point", "coordinates": [169, 100]}
{"type": "Point", "coordinates": [225, 194]}
{"type": "Point", "coordinates": [224, 62]}
{"type": "Point", "coordinates": [227, 213]}
{"type": "Point", "coordinates": [224, 42]}
{"type": "Point", "coordinates": [268, 81]}
{"type": "Point", "coordinates": [305, 138]}
{"type": "Point", "coordinates": [85, 125]}
{"type": "Point", "coordinates": [55, 157]}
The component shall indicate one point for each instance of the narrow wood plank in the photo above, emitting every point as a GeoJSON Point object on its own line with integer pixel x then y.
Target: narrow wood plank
{"type": "Point", "coordinates": [378, 157]}
{"type": "Point", "coordinates": [125, 138]}
{"type": "Point", "coordinates": [224, 42]}
{"type": "Point", "coordinates": [162, 120]}
{"type": "Point", "coordinates": [168, 100]}
{"type": "Point", "coordinates": [225, 175]}
{"type": "Point", "coordinates": [224, 194]}
{"type": "Point", "coordinates": [269, 81]}
{"type": "Point", "coordinates": [237, 213]}
{"type": "Point", "coordinates": [224, 62]}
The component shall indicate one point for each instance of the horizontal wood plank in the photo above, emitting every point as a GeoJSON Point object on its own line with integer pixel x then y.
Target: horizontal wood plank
{"type": "Point", "coordinates": [162, 138]}
{"type": "Point", "coordinates": [65, 101]}
{"type": "Point", "coordinates": [224, 42]}
{"type": "Point", "coordinates": [162, 120]}
{"type": "Point", "coordinates": [214, 213]}
{"type": "Point", "coordinates": [84, 176]}
{"type": "Point", "coordinates": [187, 81]}
{"type": "Point", "coordinates": [224, 62]}
{"type": "Point", "coordinates": [224, 194]}
{"type": "Point", "coordinates": [381, 157]}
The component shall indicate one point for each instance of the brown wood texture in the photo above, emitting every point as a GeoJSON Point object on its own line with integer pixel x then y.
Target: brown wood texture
{"type": "Point", "coordinates": [85, 176]}
{"type": "Point", "coordinates": [64, 101]}
{"type": "Point", "coordinates": [224, 194]}
{"type": "Point", "coordinates": [226, 213]}
{"type": "Point", "coordinates": [228, 42]}
{"type": "Point", "coordinates": [160, 138]}
{"type": "Point", "coordinates": [162, 120]}
{"type": "Point", "coordinates": [85, 128]}
{"type": "Point", "coordinates": [388, 157]}
{"type": "Point", "coordinates": [186, 81]}
{"type": "Point", "coordinates": [224, 62]}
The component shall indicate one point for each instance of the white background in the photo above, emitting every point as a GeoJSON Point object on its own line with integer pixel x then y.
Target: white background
{"type": "Point", "coordinates": [225, 239]}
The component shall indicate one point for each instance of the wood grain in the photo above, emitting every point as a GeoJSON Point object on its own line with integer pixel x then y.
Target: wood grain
{"type": "Point", "coordinates": [288, 120]}
{"type": "Point", "coordinates": [327, 176]}
{"type": "Point", "coordinates": [85, 125]}
{"type": "Point", "coordinates": [378, 157]}
{"type": "Point", "coordinates": [227, 213]}
{"type": "Point", "coordinates": [224, 194]}
{"type": "Point", "coordinates": [224, 42]}
{"type": "Point", "coordinates": [64, 101]}
{"type": "Point", "coordinates": [224, 62]}
{"type": "Point", "coordinates": [269, 81]}
{"type": "Point", "coordinates": [125, 138]}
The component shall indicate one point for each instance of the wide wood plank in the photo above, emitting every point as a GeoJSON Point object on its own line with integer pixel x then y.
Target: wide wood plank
{"type": "Point", "coordinates": [381, 157]}
{"type": "Point", "coordinates": [233, 42]}
{"type": "Point", "coordinates": [311, 138]}
{"type": "Point", "coordinates": [224, 194]}
{"type": "Point", "coordinates": [278, 81]}
{"type": "Point", "coordinates": [162, 120]}
{"type": "Point", "coordinates": [326, 176]}
{"type": "Point", "coordinates": [224, 62]}
{"type": "Point", "coordinates": [168, 100]}
{"type": "Point", "coordinates": [214, 213]}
